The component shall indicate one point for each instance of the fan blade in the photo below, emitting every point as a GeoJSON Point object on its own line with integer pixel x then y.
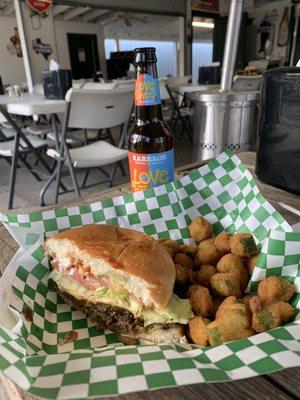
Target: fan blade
{"type": "Point", "coordinates": [140, 19]}
{"type": "Point", "coordinates": [127, 21]}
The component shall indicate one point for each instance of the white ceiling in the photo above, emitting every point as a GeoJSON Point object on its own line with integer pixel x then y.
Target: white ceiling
{"type": "Point", "coordinates": [118, 24]}
{"type": "Point", "coordinates": [3, 3]}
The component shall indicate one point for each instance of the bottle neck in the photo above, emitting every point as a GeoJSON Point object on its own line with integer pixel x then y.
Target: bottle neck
{"type": "Point", "coordinates": [147, 96]}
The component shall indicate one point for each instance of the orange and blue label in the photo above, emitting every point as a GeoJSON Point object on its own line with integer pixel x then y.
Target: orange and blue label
{"type": "Point", "coordinates": [146, 90]}
{"type": "Point", "coordinates": [150, 170]}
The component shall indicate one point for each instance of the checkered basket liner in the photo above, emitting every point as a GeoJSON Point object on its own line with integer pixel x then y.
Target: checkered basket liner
{"type": "Point", "coordinates": [54, 352]}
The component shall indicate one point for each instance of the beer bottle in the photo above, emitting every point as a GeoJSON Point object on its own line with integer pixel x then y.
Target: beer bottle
{"type": "Point", "coordinates": [150, 141]}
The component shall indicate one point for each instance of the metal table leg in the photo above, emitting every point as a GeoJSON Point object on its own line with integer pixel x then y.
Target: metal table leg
{"type": "Point", "coordinates": [55, 130]}
{"type": "Point", "coordinates": [46, 186]}
{"type": "Point", "coordinates": [13, 172]}
{"type": "Point", "coordinates": [52, 177]}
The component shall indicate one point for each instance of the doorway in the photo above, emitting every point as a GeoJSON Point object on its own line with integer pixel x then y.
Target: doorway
{"type": "Point", "coordinates": [84, 57]}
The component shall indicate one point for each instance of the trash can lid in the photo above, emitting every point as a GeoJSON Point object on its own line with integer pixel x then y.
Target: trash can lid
{"type": "Point", "coordinates": [225, 96]}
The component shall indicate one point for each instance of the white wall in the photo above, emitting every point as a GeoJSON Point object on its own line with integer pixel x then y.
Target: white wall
{"type": "Point", "coordinates": [11, 67]}
{"type": "Point", "coordinates": [257, 10]}
{"type": "Point", "coordinates": [275, 9]}
{"type": "Point", "coordinates": [42, 28]}
{"type": "Point", "coordinates": [61, 30]}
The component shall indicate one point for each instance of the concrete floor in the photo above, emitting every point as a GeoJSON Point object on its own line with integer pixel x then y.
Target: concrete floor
{"type": "Point", "coordinates": [27, 187]}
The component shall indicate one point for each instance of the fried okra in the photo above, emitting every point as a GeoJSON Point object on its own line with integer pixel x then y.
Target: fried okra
{"type": "Point", "coordinates": [251, 262]}
{"type": "Point", "coordinates": [222, 243]}
{"type": "Point", "coordinates": [225, 305]}
{"type": "Point", "coordinates": [207, 254]}
{"type": "Point", "coordinates": [198, 330]}
{"type": "Point", "coordinates": [202, 277]}
{"type": "Point", "coordinates": [232, 263]}
{"type": "Point", "coordinates": [200, 229]}
{"type": "Point", "coordinates": [269, 314]}
{"type": "Point", "coordinates": [189, 249]}
{"type": "Point", "coordinates": [201, 301]}
{"type": "Point", "coordinates": [246, 299]}
{"type": "Point", "coordinates": [225, 284]}
{"type": "Point", "coordinates": [183, 274]}
{"type": "Point", "coordinates": [184, 260]}
{"type": "Point", "coordinates": [243, 245]}
{"type": "Point", "coordinates": [274, 288]}
{"type": "Point", "coordinates": [233, 323]}
{"type": "Point", "coordinates": [170, 245]}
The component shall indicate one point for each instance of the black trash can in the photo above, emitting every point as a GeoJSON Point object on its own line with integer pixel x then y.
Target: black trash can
{"type": "Point", "coordinates": [278, 142]}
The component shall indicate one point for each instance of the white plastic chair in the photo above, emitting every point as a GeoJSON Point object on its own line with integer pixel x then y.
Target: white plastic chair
{"type": "Point", "coordinates": [91, 109]}
{"type": "Point", "coordinates": [247, 82]}
{"type": "Point", "coordinates": [77, 85]}
{"type": "Point", "coordinates": [164, 94]}
{"type": "Point", "coordinates": [178, 80]}
{"type": "Point", "coordinates": [38, 128]}
{"type": "Point", "coordinates": [125, 85]}
{"type": "Point", "coordinates": [98, 86]}
{"type": "Point", "coordinates": [16, 150]}
{"type": "Point", "coordinates": [172, 112]}
{"type": "Point", "coordinates": [38, 89]}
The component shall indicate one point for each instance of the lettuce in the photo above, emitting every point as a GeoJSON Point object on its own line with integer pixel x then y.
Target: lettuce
{"type": "Point", "coordinates": [177, 311]}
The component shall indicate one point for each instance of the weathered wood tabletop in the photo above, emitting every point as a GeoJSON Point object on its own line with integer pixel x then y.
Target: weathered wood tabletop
{"type": "Point", "coordinates": [282, 385]}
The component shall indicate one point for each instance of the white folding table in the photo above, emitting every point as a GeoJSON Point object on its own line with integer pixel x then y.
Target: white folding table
{"type": "Point", "coordinates": [183, 88]}
{"type": "Point", "coordinates": [29, 105]}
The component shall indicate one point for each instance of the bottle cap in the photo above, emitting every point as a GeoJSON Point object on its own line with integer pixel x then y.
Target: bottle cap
{"type": "Point", "coordinates": [145, 55]}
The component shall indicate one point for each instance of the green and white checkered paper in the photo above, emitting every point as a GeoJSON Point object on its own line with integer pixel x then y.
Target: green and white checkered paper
{"type": "Point", "coordinates": [54, 352]}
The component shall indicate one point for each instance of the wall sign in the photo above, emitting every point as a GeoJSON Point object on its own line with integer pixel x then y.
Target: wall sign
{"type": "Point", "coordinates": [42, 48]}
{"type": "Point", "coordinates": [14, 45]}
{"type": "Point", "coordinates": [39, 6]}
{"type": "Point", "coordinates": [206, 5]}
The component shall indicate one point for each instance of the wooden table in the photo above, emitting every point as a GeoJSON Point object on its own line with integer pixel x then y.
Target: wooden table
{"type": "Point", "coordinates": [284, 385]}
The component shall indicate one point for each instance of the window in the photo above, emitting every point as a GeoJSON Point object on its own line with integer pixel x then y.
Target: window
{"type": "Point", "coordinates": [166, 53]}
{"type": "Point", "coordinates": [110, 45]}
{"type": "Point", "coordinates": [202, 55]}
{"type": "Point", "coordinates": [202, 47]}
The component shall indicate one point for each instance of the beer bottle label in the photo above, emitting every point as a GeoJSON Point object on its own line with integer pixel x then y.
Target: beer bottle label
{"type": "Point", "coordinates": [146, 90]}
{"type": "Point", "coordinates": [150, 170]}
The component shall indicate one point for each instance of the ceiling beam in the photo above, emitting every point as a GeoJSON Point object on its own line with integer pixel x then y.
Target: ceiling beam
{"type": "Point", "coordinates": [101, 20]}
{"type": "Point", "coordinates": [159, 7]}
{"type": "Point", "coordinates": [75, 13]}
{"type": "Point", "coordinates": [59, 9]}
{"type": "Point", "coordinates": [9, 9]}
{"type": "Point", "coordinates": [93, 14]}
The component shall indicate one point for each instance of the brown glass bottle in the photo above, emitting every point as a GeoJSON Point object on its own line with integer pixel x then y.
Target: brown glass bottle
{"type": "Point", "coordinates": [150, 141]}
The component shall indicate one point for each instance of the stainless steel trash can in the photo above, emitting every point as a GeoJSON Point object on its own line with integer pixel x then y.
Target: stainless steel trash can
{"type": "Point", "coordinates": [224, 120]}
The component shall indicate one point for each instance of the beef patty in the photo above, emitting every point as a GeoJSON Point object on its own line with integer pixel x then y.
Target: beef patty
{"type": "Point", "coordinates": [105, 316]}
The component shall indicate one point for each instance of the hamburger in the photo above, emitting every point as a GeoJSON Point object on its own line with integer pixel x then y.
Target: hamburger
{"type": "Point", "coordinates": [122, 279]}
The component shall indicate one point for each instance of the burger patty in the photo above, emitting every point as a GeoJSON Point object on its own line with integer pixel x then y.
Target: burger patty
{"type": "Point", "coordinates": [105, 316]}
{"type": "Point", "coordinates": [113, 318]}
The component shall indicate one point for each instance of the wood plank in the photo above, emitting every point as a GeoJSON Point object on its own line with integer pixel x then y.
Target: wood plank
{"type": "Point", "coordinates": [287, 380]}
{"type": "Point", "coordinates": [8, 247]}
{"type": "Point", "coordinates": [247, 389]}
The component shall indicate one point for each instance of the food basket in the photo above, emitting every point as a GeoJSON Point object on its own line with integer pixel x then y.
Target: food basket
{"type": "Point", "coordinates": [54, 352]}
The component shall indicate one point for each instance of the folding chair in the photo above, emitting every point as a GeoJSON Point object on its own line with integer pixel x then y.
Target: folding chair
{"type": "Point", "coordinates": [17, 149]}
{"type": "Point", "coordinates": [91, 109]}
{"type": "Point", "coordinates": [180, 114]}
